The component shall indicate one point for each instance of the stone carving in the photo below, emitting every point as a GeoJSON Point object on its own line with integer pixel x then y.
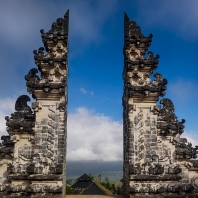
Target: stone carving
{"type": "Point", "coordinates": [157, 86]}
{"type": "Point", "coordinates": [156, 169]}
{"type": "Point", "coordinates": [25, 152]}
{"type": "Point", "coordinates": [31, 77]}
{"type": "Point", "coordinates": [174, 169]}
{"type": "Point", "coordinates": [185, 151]}
{"type": "Point", "coordinates": [33, 155]}
{"type": "Point", "coordinates": [6, 148]}
{"type": "Point", "coordinates": [153, 189]}
{"type": "Point", "coordinates": [157, 162]}
{"type": "Point", "coordinates": [23, 119]}
{"type": "Point", "coordinates": [167, 120]}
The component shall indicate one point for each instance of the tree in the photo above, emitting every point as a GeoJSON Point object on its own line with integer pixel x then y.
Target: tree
{"type": "Point", "coordinates": [69, 182]}
{"type": "Point", "coordinates": [90, 175]}
{"type": "Point", "coordinates": [98, 178]}
{"type": "Point", "coordinates": [106, 180]}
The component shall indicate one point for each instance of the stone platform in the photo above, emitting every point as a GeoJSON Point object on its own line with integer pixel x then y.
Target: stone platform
{"type": "Point", "coordinates": [93, 196]}
{"type": "Point", "coordinates": [60, 196]}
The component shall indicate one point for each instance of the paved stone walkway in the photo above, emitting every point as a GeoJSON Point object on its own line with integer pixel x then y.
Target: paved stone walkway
{"type": "Point", "coordinates": [93, 196]}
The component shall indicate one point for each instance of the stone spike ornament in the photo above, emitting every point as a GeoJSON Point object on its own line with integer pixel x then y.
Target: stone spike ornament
{"type": "Point", "coordinates": [33, 155]}
{"type": "Point", "coordinates": [157, 162]}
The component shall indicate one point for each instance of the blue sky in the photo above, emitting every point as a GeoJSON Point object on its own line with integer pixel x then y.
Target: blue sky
{"type": "Point", "coordinates": [96, 63]}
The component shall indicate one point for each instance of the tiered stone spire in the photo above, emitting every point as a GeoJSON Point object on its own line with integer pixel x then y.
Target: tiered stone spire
{"type": "Point", "coordinates": [156, 160]}
{"type": "Point", "coordinates": [33, 155]}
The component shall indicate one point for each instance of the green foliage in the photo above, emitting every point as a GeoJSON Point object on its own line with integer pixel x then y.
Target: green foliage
{"type": "Point", "coordinates": [117, 184]}
{"type": "Point", "coordinates": [106, 180]}
{"type": "Point", "coordinates": [69, 182]}
{"type": "Point", "coordinates": [112, 186]}
{"type": "Point", "coordinates": [68, 190]}
{"type": "Point", "coordinates": [90, 175]}
{"type": "Point", "coordinates": [98, 178]}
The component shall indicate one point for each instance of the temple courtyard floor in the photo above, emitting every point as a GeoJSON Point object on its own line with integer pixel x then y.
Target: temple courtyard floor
{"type": "Point", "coordinates": [94, 196]}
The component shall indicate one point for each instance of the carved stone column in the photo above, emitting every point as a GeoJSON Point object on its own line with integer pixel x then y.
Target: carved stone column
{"type": "Point", "coordinates": [155, 156]}
{"type": "Point", "coordinates": [33, 156]}
{"type": "Point", "coordinates": [50, 91]}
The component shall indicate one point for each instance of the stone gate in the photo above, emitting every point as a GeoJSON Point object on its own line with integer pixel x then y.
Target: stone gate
{"type": "Point", "coordinates": [157, 162]}
{"type": "Point", "coordinates": [32, 156]}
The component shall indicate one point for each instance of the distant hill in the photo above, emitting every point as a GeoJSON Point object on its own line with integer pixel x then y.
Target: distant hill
{"type": "Point", "coordinates": [112, 170]}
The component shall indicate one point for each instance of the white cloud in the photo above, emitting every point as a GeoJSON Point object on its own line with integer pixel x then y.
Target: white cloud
{"type": "Point", "coordinates": [90, 136]}
{"type": "Point", "coordinates": [7, 104]}
{"type": "Point", "coordinates": [84, 91]}
{"type": "Point", "coordinates": [92, 93]}
{"type": "Point", "coordinates": [2, 123]}
{"type": "Point", "coordinates": [6, 108]}
{"type": "Point", "coordinates": [93, 137]}
{"type": "Point", "coordinates": [191, 137]}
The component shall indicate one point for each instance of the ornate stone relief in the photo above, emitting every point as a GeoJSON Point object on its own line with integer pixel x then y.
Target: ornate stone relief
{"type": "Point", "coordinates": [167, 120]}
{"type": "Point", "coordinates": [157, 162]}
{"type": "Point", "coordinates": [32, 157]}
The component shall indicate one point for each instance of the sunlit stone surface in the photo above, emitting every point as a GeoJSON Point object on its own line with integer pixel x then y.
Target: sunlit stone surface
{"type": "Point", "coordinates": [157, 162]}
{"type": "Point", "coordinates": [32, 156]}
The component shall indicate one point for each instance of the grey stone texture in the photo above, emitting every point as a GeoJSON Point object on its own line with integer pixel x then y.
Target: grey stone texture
{"type": "Point", "coordinates": [157, 162]}
{"type": "Point", "coordinates": [33, 155]}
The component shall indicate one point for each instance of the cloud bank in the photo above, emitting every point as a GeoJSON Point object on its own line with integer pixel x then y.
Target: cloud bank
{"type": "Point", "coordinates": [6, 108]}
{"type": "Point", "coordinates": [93, 137]}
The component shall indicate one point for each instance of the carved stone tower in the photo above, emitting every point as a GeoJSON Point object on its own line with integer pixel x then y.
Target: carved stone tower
{"type": "Point", "coordinates": [157, 162]}
{"type": "Point", "coordinates": [33, 156]}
